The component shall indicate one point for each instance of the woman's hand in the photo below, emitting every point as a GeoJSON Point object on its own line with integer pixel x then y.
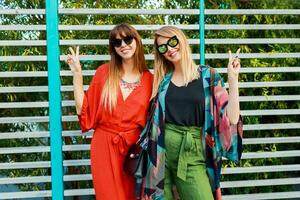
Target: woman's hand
{"type": "Point", "coordinates": [234, 66]}
{"type": "Point", "coordinates": [74, 64]}
{"type": "Point", "coordinates": [233, 69]}
{"type": "Point", "coordinates": [73, 60]}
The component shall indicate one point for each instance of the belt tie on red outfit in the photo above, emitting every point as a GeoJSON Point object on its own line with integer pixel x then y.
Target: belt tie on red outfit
{"type": "Point", "coordinates": [121, 138]}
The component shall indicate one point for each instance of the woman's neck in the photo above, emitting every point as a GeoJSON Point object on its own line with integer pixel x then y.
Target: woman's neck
{"type": "Point", "coordinates": [128, 66]}
{"type": "Point", "coordinates": [130, 73]}
{"type": "Point", "coordinates": [177, 69]}
{"type": "Point", "coordinates": [177, 77]}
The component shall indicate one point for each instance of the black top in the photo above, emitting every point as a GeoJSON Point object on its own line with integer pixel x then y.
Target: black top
{"type": "Point", "coordinates": [185, 105]}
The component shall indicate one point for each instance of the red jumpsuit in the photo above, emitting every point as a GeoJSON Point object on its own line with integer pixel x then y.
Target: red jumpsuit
{"type": "Point", "coordinates": [114, 134]}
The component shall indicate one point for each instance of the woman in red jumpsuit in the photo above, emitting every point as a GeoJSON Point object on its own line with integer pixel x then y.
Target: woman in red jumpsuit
{"type": "Point", "coordinates": [115, 106]}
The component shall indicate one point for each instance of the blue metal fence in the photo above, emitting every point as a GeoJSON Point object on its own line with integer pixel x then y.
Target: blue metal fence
{"type": "Point", "coordinates": [57, 184]}
{"type": "Point", "coordinates": [55, 114]}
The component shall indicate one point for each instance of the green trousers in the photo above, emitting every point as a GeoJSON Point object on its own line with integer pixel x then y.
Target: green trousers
{"type": "Point", "coordinates": [185, 165]}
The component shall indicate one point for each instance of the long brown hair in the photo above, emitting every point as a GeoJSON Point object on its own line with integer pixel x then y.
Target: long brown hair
{"type": "Point", "coordinates": [163, 66]}
{"type": "Point", "coordinates": [115, 71]}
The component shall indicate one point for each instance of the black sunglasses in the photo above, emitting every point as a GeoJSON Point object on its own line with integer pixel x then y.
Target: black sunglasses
{"type": "Point", "coordinates": [118, 42]}
{"type": "Point", "coordinates": [172, 42]}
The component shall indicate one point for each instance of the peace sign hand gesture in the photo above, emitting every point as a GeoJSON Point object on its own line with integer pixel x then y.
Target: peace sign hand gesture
{"type": "Point", "coordinates": [73, 60]}
{"type": "Point", "coordinates": [234, 65]}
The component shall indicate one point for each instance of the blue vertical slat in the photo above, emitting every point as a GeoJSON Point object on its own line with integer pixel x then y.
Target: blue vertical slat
{"type": "Point", "coordinates": [201, 29]}
{"type": "Point", "coordinates": [54, 84]}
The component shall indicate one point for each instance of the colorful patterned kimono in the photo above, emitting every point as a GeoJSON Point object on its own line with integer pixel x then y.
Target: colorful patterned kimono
{"type": "Point", "coordinates": [219, 137]}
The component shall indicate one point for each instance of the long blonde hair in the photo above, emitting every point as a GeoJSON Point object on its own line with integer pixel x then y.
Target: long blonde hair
{"type": "Point", "coordinates": [163, 66]}
{"type": "Point", "coordinates": [115, 71]}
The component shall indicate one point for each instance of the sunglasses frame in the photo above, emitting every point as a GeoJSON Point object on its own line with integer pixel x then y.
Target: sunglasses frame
{"type": "Point", "coordinates": [168, 44]}
{"type": "Point", "coordinates": [118, 42]}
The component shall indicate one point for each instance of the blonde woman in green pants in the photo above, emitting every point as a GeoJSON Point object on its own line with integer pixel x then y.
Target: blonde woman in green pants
{"type": "Point", "coordinates": [195, 123]}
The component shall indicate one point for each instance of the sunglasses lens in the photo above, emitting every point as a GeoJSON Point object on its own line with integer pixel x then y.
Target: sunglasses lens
{"type": "Point", "coordinates": [128, 40]}
{"type": "Point", "coordinates": [116, 42]}
{"type": "Point", "coordinates": [162, 49]}
{"type": "Point", "coordinates": [173, 42]}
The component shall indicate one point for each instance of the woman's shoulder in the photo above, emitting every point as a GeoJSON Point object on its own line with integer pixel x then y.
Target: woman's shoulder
{"type": "Point", "coordinates": [103, 68]}
{"type": "Point", "coordinates": [148, 75]}
{"type": "Point", "coordinates": [101, 72]}
{"type": "Point", "coordinates": [206, 69]}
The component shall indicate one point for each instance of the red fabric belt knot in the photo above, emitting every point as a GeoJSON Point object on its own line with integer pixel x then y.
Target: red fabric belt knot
{"type": "Point", "coordinates": [120, 137]}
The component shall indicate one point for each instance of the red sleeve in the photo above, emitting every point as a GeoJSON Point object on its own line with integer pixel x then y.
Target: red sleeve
{"type": "Point", "coordinates": [89, 116]}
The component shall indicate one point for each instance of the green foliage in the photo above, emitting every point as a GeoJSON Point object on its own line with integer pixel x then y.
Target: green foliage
{"type": "Point", "coordinates": [102, 49]}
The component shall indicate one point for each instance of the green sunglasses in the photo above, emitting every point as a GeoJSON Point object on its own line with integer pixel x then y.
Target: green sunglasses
{"type": "Point", "coordinates": [172, 42]}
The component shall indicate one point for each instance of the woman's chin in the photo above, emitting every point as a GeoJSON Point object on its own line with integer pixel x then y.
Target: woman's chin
{"type": "Point", "coordinates": [127, 56]}
{"type": "Point", "coordinates": [175, 59]}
